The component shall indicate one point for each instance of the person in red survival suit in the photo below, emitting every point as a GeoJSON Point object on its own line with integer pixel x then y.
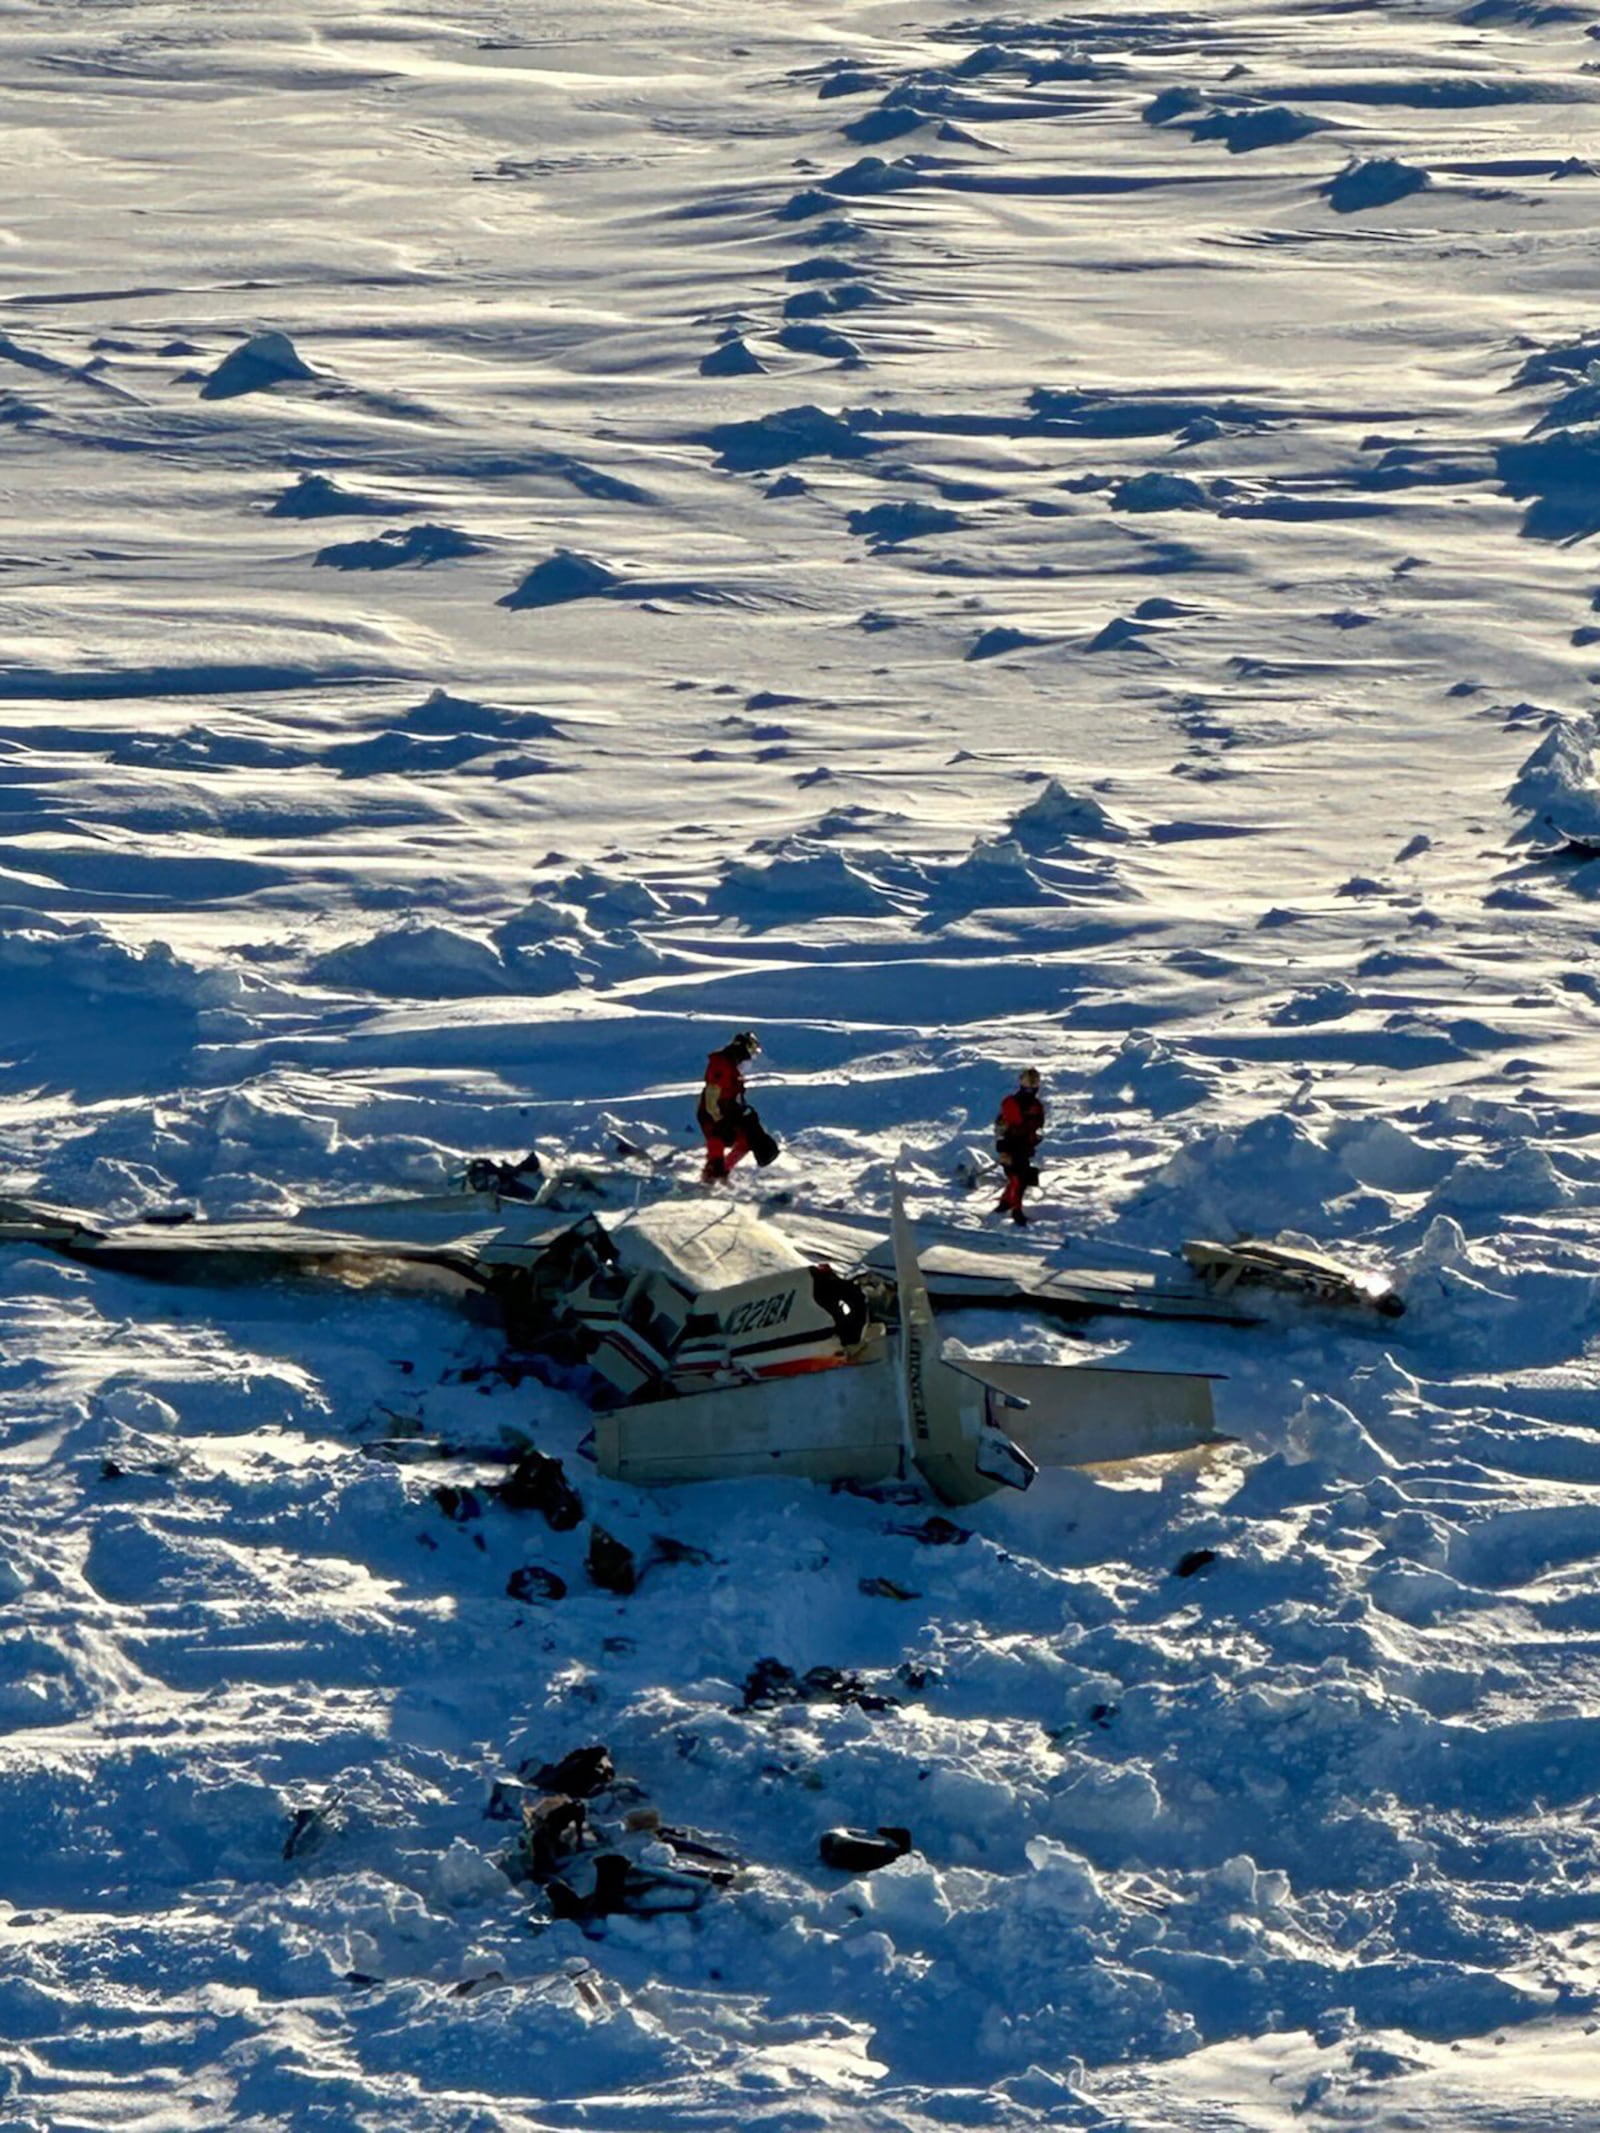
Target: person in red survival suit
{"type": "Point", "coordinates": [1018, 1130]}
{"type": "Point", "coordinates": [722, 1110]}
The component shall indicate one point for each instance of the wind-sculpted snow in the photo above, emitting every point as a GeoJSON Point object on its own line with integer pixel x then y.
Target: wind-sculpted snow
{"type": "Point", "coordinates": [1557, 786]}
{"type": "Point", "coordinates": [780, 439]}
{"type": "Point", "coordinates": [803, 879]}
{"type": "Point", "coordinates": [388, 551]}
{"type": "Point", "coordinates": [415, 961]}
{"type": "Point", "coordinates": [319, 496]}
{"type": "Point", "coordinates": [266, 360]}
{"type": "Point", "coordinates": [543, 537]}
{"type": "Point", "coordinates": [1378, 181]}
{"type": "Point", "coordinates": [562, 577]}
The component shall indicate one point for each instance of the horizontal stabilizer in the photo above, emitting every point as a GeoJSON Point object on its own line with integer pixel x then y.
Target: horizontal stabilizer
{"type": "Point", "coordinates": [1078, 1415]}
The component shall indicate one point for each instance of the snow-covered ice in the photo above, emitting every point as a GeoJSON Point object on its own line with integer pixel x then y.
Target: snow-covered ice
{"type": "Point", "coordinates": [540, 535]}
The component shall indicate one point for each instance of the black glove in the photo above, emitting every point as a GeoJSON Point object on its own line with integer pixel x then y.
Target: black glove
{"type": "Point", "coordinates": [762, 1145]}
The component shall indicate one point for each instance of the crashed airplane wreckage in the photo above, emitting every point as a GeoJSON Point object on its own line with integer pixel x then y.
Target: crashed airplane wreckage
{"type": "Point", "coordinates": [724, 1345]}
{"type": "Point", "coordinates": [967, 1427]}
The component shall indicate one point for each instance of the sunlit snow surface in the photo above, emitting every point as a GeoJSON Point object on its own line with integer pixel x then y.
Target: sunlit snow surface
{"type": "Point", "coordinates": [539, 534]}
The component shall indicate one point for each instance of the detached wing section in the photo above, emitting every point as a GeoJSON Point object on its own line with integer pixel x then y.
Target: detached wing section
{"type": "Point", "coordinates": [464, 1233]}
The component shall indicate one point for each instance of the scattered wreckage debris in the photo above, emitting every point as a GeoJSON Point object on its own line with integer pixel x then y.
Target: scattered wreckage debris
{"type": "Point", "coordinates": [1193, 1561]}
{"type": "Point", "coordinates": [309, 1827]}
{"type": "Point", "coordinates": [615, 1567]}
{"type": "Point", "coordinates": [531, 1581]}
{"type": "Point", "coordinates": [485, 1981]}
{"type": "Point", "coordinates": [582, 1773]}
{"type": "Point", "coordinates": [856, 1851]}
{"type": "Point", "coordinates": [596, 1848]}
{"type": "Point", "coordinates": [539, 1483]}
{"type": "Point", "coordinates": [722, 1345]}
{"type": "Point", "coordinates": [602, 1884]}
{"type": "Point", "coordinates": [770, 1684]}
{"type": "Point", "coordinates": [458, 1504]}
{"type": "Point", "coordinates": [508, 1181]}
{"type": "Point", "coordinates": [936, 1531]}
{"type": "Point", "coordinates": [881, 1588]}
{"type": "Point", "coordinates": [611, 1564]}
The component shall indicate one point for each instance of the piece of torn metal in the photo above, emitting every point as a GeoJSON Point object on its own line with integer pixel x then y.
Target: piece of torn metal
{"type": "Point", "coordinates": [1298, 1271]}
